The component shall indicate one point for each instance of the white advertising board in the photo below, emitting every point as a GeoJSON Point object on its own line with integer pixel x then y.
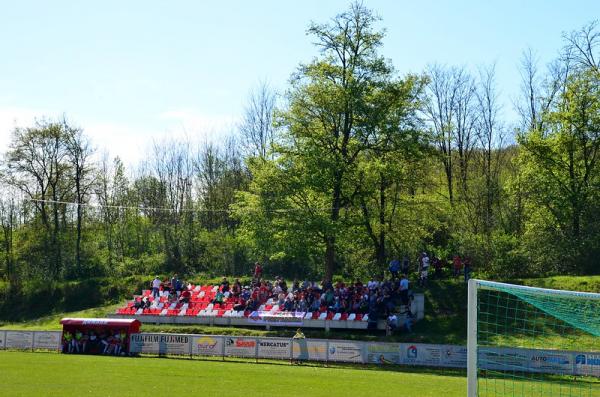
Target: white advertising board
{"type": "Point", "coordinates": [207, 345]}
{"type": "Point", "coordinates": [586, 364]}
{"type": "Point", "coordinates": [310, 350]}
{"type": "Point", "coordinates": [160, 343]}
{"type": "Point", "coordinates": [454, 356]}
{"type": "Point", "coordinates": [2, 339]}
{"type": "Point", "coordinates": [420, 354]}
{"type": "Point", "coordinates": [350, 352]}
{"type": "Point", "coordinates": [19, 340]}
{"type": "Point", "coordinates": [240, 347]}
{"type": "Point", "coordinates": [49, 340]}
{"type": "Point", "coordinates": [382, 353]}
{"type": "Point", "coordinates": [277, 348]}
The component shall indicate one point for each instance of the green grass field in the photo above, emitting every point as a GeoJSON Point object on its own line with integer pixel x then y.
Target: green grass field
{"type": "Point", "coordinates": [50, 374]}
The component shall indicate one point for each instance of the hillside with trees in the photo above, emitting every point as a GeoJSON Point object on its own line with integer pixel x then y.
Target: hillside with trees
{"type": "Point", "coordinates": [351, 166]}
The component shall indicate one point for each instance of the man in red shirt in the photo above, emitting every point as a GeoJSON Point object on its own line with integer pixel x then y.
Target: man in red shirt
{"type": "Point", "coordinates": [457, 265]}
{"type": "Point", "coordinates": [258, 271]}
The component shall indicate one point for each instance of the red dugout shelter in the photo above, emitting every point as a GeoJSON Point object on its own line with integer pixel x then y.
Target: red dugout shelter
{"type": "Point", "coordinates": [98, 335]}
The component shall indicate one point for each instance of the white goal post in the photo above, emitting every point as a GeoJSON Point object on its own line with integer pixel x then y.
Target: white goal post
{"type": "Point", "coordinates": [532, 341]}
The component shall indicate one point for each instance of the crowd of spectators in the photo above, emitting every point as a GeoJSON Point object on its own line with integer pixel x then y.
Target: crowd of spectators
{"type": "Point", "coordinates": [379, 298]}
{"type": "Point", "coordinates": [376, 296]}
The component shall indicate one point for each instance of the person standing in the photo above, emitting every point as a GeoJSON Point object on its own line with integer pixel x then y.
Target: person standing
{"type": "Point", "coordinates": [424, 269]}
{"type": "Point", "coordinates": [258, 271]}
{"type": "Point", "coordinates": [467, 269]}
{"type": "Point", "coordinates": [394, 268]}
{"type": "Point", "coordinates": [405, 265]}
{"type": "Point", "coordinates": [156, 287]}
{"type": "Point", "coordinates": [457, 265]}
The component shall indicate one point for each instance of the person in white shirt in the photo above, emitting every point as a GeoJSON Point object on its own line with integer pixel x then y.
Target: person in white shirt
{"type": "Point", "coordinates": [156, 287]}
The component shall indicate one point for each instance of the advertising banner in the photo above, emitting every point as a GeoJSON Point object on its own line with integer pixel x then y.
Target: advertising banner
{"type": "Point", "coordinates": [586, 364]}
{"type": "Point", "coordinates": [160, 343]}
{"type": "Point", "coordinates": [2, 339]}
{"type": "Point", "coordinates": [49, 340]}
{"type": "Point", "coordinates": [19, 339]}
{"type": "Point", "coordinates": [526, 360]}
{"type": "Point", "coordinates": [310, 350]}
{"type": "Point", "coordinates": [553, 362]}
{"type": "Point", "coordinates": [240, 347]}
{"type": "Point", "coordinates": [382, 353]}
{"type": "Point", "coordinates": [207, 345]}
{"type": "Point", "coordinates": [291, 319]}
{"type": "Point", "coordinates": [277, 348]}
{"type": "Point", "coordinates": [350, 352]}
{"type": "Point", "coordinates": [454, 356]}
{"type": "Point", "coordinates": [420, 354]}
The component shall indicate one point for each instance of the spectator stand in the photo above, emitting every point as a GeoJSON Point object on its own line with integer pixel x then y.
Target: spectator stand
{"type": "Point", "coordinates": [201, 309]}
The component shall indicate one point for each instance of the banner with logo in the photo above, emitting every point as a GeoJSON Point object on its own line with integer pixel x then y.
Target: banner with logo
{"type": "Point", "coordinates": [160, 343]}
{"type": "Point", "coordinates": [310, 350]}
{"type": "Point", "coordinates": [420, 354]}
{"type": "Point", "coordinates": [19, 340]}
{"type": "Point", "coordinates": [2, 339]}
{"type": "Point", "coordinates": [453, 356]}
{"type": "Point", "coordinates": [290, 319]}
{"type": "Point", "coordinates": [351, 352]}
{"type": "Point", "coordinates": [382, 353]}
{"type": "Point", "coordinates": [240, 347]}
{"type": "Point", "coordinates": [527, 360]}
{"type": "Point", "coordinates": [278, 348]}
{"type": "Point", "coordinates": [50, 340]}
{"type": "Point", "coordinates": [586, 364]}
{"type": "Point", "coordinates": [207, 345]}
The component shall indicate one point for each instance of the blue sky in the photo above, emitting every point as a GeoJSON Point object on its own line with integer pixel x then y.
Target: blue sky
{"type": "Point", "coordinates": [129, 72]}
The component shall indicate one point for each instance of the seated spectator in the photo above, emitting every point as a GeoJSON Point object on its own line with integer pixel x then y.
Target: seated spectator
{"type": "Point", "coordinates": [138, 304]}
{"type": "Point", "coordinates": [288, 305]}
{"type": "Point", "coordinates": [236, 289]}
{"type": "Point", "coordinates": [224, 285]}
{"type": "Point", "coordinates": [185, 296]}
{"type": "Point", "coordinates": [301, 305]}
{"type": "Point", "coordinates": [219, 297]}
{"type": "Point", "coordinates": [251, 305]}
{"type": "Point", "coordinates": [372, 284]}
{"type": "Point", "coordinates": [314, 307]}
{"type": "Point", "coordinates": [246, 293]}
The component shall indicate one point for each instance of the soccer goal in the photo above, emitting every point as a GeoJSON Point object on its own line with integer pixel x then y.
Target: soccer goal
{"type": "Point", "coordinates": [525, 341]}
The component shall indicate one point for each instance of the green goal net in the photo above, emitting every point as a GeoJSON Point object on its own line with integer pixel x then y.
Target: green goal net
{"type": "Point", "coordinates": [525, 341]}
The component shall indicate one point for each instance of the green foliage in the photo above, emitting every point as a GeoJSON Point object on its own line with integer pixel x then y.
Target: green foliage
{"type": "Point", "coordinates": [359, 166]}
